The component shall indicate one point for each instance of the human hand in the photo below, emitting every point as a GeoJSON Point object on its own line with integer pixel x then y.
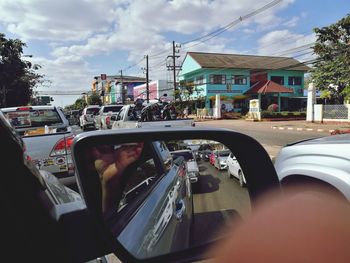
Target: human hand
{"type": "Point", "coordinates": [110, 163]}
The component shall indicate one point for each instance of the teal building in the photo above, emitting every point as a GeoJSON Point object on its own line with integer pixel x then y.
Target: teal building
{"type": "Point", "coordinates": [239, 78]}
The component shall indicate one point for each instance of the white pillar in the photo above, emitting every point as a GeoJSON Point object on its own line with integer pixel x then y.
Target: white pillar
{"type": "Point", "coordinates": [311, 99]}
{"type": "Point", "coordinates": [217, 109]}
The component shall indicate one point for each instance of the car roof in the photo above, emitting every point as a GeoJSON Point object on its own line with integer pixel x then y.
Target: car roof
{"type": "Point", "coordinates": [41, 107]}
{"type": "Point", "coordinates": [92, 106]}
{"type": "Point", "coordinates": [181, 151]}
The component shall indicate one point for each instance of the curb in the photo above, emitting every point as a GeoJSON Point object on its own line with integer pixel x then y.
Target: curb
{"type": "Point", "coordinates": [300, 129]}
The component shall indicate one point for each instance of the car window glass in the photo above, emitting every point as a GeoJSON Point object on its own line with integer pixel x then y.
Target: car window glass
{"type": "Point", "coordinates": [140, 179]}
{"type": "Point", "coordinates": [92, 110]}
{"type": "Point", "coordinates": [33, 118]}
{"type": "Point", "coordinates": [165, 154]}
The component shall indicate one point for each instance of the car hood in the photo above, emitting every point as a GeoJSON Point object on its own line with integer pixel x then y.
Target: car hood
{"type": "Point", "coordinates": [333, 139]}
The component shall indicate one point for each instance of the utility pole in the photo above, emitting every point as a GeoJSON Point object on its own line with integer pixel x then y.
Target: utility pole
{"type": "Point", "coordinates": [173, 67]}
{"type": "Point", "coordinates": [121, 83]}
{"type": "Point", "coordinates": [147, 79]}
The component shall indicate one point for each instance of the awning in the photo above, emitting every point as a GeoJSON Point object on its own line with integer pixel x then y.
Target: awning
{"type": "Point", "coordinates": [268, 86]}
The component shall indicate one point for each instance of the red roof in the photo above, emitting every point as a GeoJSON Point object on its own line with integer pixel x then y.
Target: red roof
{"type": "Point", "coordinates": [268, 86]}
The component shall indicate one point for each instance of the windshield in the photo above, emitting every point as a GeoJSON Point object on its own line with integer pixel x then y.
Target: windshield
{"type": "Point", "coordinates": [224, 154]}
{"type": "Point", "coordinates": [92, 111]}
{"type": "Point", "coordinates": [33, 118]}
{"type": "Point", "coordinates": [112, 108]}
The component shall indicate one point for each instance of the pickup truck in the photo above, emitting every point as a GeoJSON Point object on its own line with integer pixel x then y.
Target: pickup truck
{"type": "Point", "coordinates": [87, 117]}
{"type": "Point", "coordinates": [103, 118]}
{"type": "Point", "coordinates": [127, 118]}
{"type": "Point", "coordinates": [47, 138]}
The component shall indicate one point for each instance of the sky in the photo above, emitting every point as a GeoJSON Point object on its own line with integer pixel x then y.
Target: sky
{"type": "Point", "coordinates": [76, 40]}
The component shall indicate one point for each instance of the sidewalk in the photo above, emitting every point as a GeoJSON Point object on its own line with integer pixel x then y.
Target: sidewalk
{"type": "Point", "coordinates": [301, 125]}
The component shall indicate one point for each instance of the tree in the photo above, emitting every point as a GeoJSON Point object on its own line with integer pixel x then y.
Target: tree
{"type": "Point", "coordinates": [17, 76]}
{"type": "Point", "coordinates": [94, 99]}
{"type": "Point", "coordinates": [331, 70]}
{"type": "Point", "coordinates": [79, 104]}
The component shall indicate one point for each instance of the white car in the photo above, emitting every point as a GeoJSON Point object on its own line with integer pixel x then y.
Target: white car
{"type": "Point", "coordinates": [324, 162]}
{"type": "Point", "coordinates": [191, 163]}
{"type": "Point", "coordinates": [234, 169]}
{"type": "Point", "coordinates": [220, 159]}
{"type": "Point", "coordinates": [86, 119]}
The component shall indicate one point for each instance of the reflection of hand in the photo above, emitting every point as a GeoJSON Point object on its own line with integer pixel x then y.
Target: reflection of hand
{"type": "Point", "coordinates": [110, 164]}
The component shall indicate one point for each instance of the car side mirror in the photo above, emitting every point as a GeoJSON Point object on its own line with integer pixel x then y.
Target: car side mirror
{"type": "Point", "coordinates": [149, 207]}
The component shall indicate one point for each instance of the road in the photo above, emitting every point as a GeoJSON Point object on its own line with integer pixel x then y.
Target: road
{"type": "Point", "coordinates": [217, 199]}
{"type": "Point", "coordinates": [272, 139]}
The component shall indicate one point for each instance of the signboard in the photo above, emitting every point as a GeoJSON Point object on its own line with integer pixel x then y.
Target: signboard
{"type": "Point", "coordinates": [254, 106]}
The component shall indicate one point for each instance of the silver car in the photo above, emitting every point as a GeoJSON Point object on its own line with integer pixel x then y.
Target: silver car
{"type": "Point", "coordinates": [322, 161]}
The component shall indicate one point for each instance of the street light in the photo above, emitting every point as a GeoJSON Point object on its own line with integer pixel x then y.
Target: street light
{"type": "Point", "coordinates": [27, 56]}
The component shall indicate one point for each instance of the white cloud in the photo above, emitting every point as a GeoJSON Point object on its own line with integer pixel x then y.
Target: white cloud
{"type": "Point", "coordinates": [75, 30]}
{"type": "Point", "coordinates": [292, 22]}
{"type": "Point", "coordinates": [65, 73]}
{"type": "Point", "coordinates": [56, 20]}
{"type": "Point", "coordinates": [284, 43]}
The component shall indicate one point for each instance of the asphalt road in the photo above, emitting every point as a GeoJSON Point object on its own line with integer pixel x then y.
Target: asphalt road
{"type": "Point", "coordinates": [218, 202]}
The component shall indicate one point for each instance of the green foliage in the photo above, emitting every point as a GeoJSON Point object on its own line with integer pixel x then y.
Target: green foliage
{"type": "Point", "coordinates": [332, 68]}
{"type": "Point", "coordinates": [79, 104]}
{"type": "Point", "coordinates": [17, 76]}
{"type": "Point", "coordinates": [94, 99]}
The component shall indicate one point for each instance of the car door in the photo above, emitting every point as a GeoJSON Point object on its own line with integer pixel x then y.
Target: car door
{"type": "Point", "coordinates": [120, 119]}
{"type": "Point", "coordinates": [161, 224]}
{"type": "Point", "coordinates": [230, 163]}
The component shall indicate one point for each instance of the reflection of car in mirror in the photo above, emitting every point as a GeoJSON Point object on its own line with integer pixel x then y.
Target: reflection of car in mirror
{"type": "Point", "coordinates": [191, 163]}
{"type": "Point", "coordinates": [220, 159]}
{"type": "Point", "coordinates": [234, 169]}
{"type": "Point", "coordinates": [162, 223]}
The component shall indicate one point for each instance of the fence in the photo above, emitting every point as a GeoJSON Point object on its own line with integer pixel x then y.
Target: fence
{"type": "Point", "coordinates": [205, 113]}
{"type": "Point", "coordinates": [331, 113]}
{"type": "Point", "coordinates": [335, 112]}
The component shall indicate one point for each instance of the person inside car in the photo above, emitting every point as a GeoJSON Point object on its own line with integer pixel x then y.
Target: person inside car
{"type": "Point", "coordinates": [110, 163]}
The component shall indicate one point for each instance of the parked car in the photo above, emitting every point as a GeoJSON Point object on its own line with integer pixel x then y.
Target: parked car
{"type": "Point", "coordinates": [191, 163]}
{"type": "Point", "coordinates": [47, 136]}
{"type": "Point", "coordinates": [234, 169]}
{"type": "Point", "coordinates": [322, 161]}
{"type": "Point", "coordinates": [87, 118]}
{"type": "Point", "coordinates": [204, 151]}
{"type": "Point", "coordinates": [220, 159]}
{"type": "Point", "coordinates": [72, 116]}
{"type": "Point", "coordinates": [103, 120]}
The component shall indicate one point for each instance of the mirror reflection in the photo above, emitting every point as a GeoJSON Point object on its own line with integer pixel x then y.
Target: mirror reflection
{"type": "Point", "coordinates": [164, 196]}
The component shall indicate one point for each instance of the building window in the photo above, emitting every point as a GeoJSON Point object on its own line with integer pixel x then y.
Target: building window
{"type": "Point", "coordinates": [294, 81]}
{"type": "Point", "coordinates": [278, 79]}
{"type": "Point", "coordinates": [217, 79]}
{"type": "Point", "coordinates": [239, 80]}
{"type": "Point", "coordinates": [200, 80]}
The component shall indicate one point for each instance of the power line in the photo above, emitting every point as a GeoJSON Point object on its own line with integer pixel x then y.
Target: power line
{"type": "Point", "coordinates": [221, 30]}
